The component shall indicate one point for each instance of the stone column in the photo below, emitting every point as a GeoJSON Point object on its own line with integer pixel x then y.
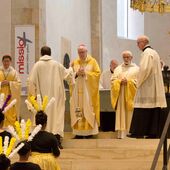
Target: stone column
{"type": "Point", "coordinates": [96, 30]}
{"type": "Point", "coordinates": [29, 12]}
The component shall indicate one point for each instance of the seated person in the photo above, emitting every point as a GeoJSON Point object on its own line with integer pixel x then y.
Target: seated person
{"type": "Point", "coordinates": [4, 162]}
{"type": "Point", "coordinates": [44, 146]}
{"type": "Point", "coordinates": [3, 132]}
{"type": "Point", "coordinates": [23, 163]}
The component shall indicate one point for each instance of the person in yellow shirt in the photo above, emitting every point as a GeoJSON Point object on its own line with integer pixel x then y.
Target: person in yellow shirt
{"type": "Point", "coordinates": [84, 95]}
{"type": "Point", "coordinates": [10, 84]}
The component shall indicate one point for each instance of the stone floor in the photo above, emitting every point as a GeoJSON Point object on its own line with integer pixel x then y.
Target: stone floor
{"type": "Point", "coordinates": [105, 152]}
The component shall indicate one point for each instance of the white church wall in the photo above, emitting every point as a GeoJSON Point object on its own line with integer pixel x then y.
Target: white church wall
{"type": "Point", "coordinates": [156, 26]}
{"type": "Point", "coordinates": [68, 20]}
{"type": "Point", "coordinates": [5, 27]}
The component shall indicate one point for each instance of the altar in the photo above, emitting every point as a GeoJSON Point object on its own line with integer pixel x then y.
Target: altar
{"type": "Point", "coordinates": [105, 108]}
{"type": "Point", "coordinates": [105, 101]}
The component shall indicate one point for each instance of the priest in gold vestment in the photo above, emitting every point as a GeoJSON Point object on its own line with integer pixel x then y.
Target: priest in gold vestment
{"type": "Point", "coordinates": [123, 88]}
{"type": "Point", "coordinates": [84, 95]}
{"type": "Point", "coordinates": [10, 84]}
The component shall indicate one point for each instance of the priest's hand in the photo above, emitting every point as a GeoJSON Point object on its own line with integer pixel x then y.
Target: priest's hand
{"type": "Point", "coordinates": [81, 72]}
{"type": "Point", "coordinates": [72, 64]}
{"type": "Point", "coordinates": [5, 83]}
{"type": "Point", "coordinates": [124, 81]}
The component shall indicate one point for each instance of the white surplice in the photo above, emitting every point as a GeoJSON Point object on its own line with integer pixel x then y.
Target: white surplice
{"type": "Point", "coordinates": [46, 79]}
{"type": "Point", "coordinates": [150, 87]}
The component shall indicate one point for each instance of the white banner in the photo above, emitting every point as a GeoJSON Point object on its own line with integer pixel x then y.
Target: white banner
{"type": "Point", "coordinates": [24, 52]}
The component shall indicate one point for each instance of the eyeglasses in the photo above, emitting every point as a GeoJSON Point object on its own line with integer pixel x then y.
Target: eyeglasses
{"type": "Point", "coordinates": [138, 42]}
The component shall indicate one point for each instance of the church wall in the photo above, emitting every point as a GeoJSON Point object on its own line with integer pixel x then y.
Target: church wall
{"type": "Point", "coordinates": [19, 12]}
{"type": "Point", "coordinates": [67, 25]}
{"type": "Point", "coordinates": [156, 26]}
{"type": "Point", "coordinates": [5, 27]}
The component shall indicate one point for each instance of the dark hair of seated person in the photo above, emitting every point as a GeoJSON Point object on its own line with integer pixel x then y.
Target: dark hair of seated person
{"type": "Point", "coordinates": [4, 162]}
{"type": "Point", "coordinates": [23, 163]}
{"type": "Point", "coordinates": [25, 149]}
{"type": "Point", "coordinates": [40, 118]}
{"type": "Point", "coordinates": [44, 141]}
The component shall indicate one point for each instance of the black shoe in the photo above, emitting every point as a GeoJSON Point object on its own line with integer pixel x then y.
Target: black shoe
{"type": "Point", "coordinates": [59, 141]}
{"type": "Point", "coordinates": [151, 137]}
{"type": "Point", "coordinates": [135, 136]}
{"type": "Point", "coordinates": [78, 137]}
{"type": "Point", "coordinates": [60, 146]}
{"type": "Point", "coordinates": [131, 136]}
{"type": "Point", "coordinates": [88, 137]}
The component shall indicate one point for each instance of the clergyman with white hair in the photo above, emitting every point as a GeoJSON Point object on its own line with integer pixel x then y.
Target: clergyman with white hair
{"type": "Point", "coordinates": [123, 88]}
{"type": "Point", "coordinates": [84, 96]}
{"type": "Point", "coordinates": [150, 96]}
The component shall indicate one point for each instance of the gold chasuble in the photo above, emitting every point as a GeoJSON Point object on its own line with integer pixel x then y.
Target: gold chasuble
{"type": "Point", "coordinates": [13, 89]}
{"type": "Point", "coordinates": [84, 98]}
{"type": "Point", "coordinates": [130, 90]}
{"type": "Point", "coordinates": [122, 96]}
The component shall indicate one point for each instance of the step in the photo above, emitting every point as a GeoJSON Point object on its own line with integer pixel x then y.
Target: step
{"type": "Point", "coordinates": [101, 135]}
{"type": "Point", "coordinates": [110, 143]}
{"type": "Point", "coordinates": [106, 152]}
{"type": "Point", "coordinates": [106, 165]}
{"type": "Point", "coordinates": [109, 154]}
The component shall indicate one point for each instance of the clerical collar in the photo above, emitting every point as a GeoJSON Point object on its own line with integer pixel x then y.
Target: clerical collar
{"type": "Point", "coordinates": [6, 70]}
{"type": "Point", "coordinates": [46, 58]}
{"type": "Point", "coordinates": [147, 47]}
{"type": "Point", "coordinates": [128, 64]}
{"type": "Point", "coordinates": [111, 71]}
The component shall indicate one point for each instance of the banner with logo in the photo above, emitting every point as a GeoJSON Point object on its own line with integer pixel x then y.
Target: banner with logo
{"type": "Point", "coordinates": [24, 52]}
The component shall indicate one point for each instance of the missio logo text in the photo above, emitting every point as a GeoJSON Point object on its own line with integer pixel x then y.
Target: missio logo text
{"type": "Point", "coordinates": [20, 59]}
{"type": "Point", "coordinates": [21, 52]}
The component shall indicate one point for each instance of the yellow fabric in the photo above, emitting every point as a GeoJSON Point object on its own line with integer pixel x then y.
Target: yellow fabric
{"type": "Point", "coordinates": [115, 89]}
{"type": "Point", "coordinates": [92, 80]}
{"type": "Point", "coordinates": [130, 90]}
{"type": "Point", "coordinates": [45, 160]}
{"type": "Point", "coordinates": [46, 78]}
{"type": "Point", "coordinates": [122, 95]}
{"type": "Point", "coordinates": [82, 125]}
{"type": "Point", "coordinates": [14, 89]}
